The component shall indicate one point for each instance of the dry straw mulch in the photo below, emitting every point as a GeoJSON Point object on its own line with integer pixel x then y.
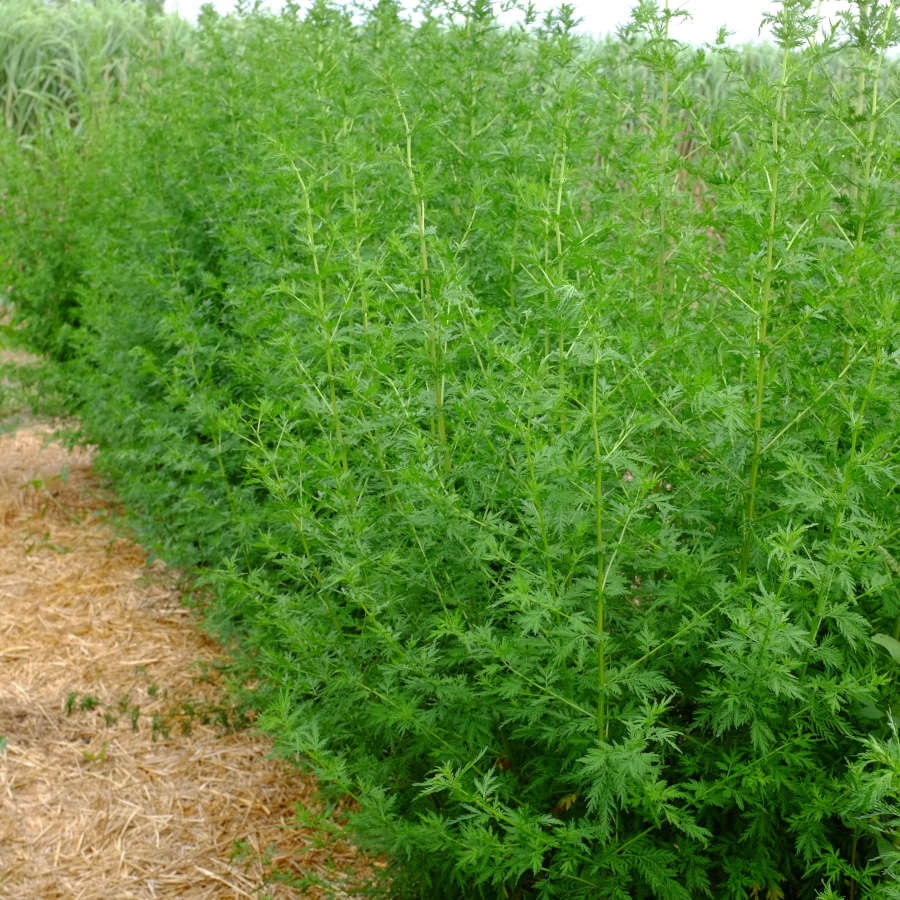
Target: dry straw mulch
{"type": "Point", "coordinates": [112, 785]}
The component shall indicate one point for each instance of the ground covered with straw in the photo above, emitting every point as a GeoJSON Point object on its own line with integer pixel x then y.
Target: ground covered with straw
{"type": "Point", "coordinates": [124, 773]}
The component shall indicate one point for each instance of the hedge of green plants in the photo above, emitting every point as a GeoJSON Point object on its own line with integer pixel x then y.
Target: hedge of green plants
{"type": "Point", "coordinates": [530, 408]}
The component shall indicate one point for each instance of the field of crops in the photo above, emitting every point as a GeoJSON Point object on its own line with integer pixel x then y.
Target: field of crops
{"type": "Point", "coordinates": [526, 408]}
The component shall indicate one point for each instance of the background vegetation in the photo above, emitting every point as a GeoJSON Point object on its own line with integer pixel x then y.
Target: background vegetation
{"type": "Point", "coordinates": [529, 407]}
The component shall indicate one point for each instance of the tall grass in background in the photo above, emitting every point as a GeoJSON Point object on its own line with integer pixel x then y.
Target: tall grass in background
{"type": "Point", "coordinates": [57, 57]}
{"type": "Point", "coordinates": [528, 407]}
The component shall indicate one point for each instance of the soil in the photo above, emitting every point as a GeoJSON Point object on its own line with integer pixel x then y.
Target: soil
{"type": "Point", "coordinates": [122, 771]}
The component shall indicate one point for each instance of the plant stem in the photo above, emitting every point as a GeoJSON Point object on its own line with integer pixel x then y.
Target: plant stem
{"type": "Point", "coordinates": [425, 292]}
{"type": "Point", "coordinates": [870, 137]}
{"type": "Point", "coordinates": [663, 187]}
{"type": "Point", "coordinates": [560, 275]}
{"type": "Point", "coordinates": [760, 346]}
{"type": "Point", "coordinates": [603, 725]}
{"type": "Point", "coordinates": [357, 251]}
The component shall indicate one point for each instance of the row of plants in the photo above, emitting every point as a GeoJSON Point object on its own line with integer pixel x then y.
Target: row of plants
{"type": "Point", "coordinates": [527, 407]}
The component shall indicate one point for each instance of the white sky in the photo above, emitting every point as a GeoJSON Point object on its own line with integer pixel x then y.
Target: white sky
{"type": "Point", "coordinates": [602, 16]}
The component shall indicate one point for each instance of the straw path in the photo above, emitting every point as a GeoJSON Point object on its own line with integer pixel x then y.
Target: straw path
{"type": "Point", "coordinates": [117, 779]}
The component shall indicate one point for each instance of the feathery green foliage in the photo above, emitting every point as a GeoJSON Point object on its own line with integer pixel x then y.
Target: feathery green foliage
{"type": "Point", "coordinates": [530, 408]}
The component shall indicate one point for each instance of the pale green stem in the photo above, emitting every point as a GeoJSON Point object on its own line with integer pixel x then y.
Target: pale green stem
{"type": "Point", "coordinates": [560, 273]}
{"type": "Point", "coordinates": [603, 724]}
{"type": "Point", "coordinates": [364, 293]}
{"type": "Point", "coordinates": [870, 141]}
{"type": "Point", "coordinates": [760, 345]}
{"type": "Point", "coordinates": [663, 191]}
{"type": "Point", "coordinates": [548, 217]}
{"type": "Point", "coordinates": [425, 291]}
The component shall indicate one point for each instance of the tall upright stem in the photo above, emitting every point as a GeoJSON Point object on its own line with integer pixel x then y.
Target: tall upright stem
{"type": "Point", "coordinates": [425, 293]}
{"type": "Point", "coordinates": [663, 188]}
{"type": "Point", "coordinates": [602, 718]}
{"type": "Point", "coordinates": [561, 337]}
{"type": "Point", "coordinates": [870, 137]}
{"type": "Point", "coordinates": [357, 251]}
{"type": "Point", "coordinates": [760, 345]}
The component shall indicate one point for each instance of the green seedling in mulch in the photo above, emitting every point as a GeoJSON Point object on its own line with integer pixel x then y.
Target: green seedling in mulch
{"type": "Point", "coordinates": [161, 726]}
{"type": "Point", "coordinates": [96, 757]}
{"type": "Point", "coordinates": [46, 544]}
{"type": "Point", "coordinates": [85, 703]}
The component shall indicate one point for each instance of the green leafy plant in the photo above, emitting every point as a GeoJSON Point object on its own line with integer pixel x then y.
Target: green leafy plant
{"type": "Point", "coordinates": [525, 410]}
{"type": "Point", "coordinates": [96, 757]}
